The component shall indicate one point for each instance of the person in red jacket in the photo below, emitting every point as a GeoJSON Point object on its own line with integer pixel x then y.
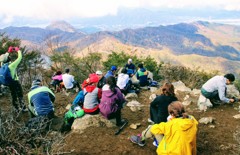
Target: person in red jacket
{"type": "Point", "coordinates": [92, 93]}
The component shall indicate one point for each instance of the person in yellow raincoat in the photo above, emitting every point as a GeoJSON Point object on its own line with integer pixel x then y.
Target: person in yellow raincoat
{"type": "Point", "coordinates": [179, 133]}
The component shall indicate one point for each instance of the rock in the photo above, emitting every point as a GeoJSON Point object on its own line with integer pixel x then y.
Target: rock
{"type": "Point", "coordinates": [80, 124]}
{"type": "Point", "coordinates": [206, 120]}
{"type": "Point", "coordinates": [232, 91]}
{"type": "Point", "coordinates": [186, 103]}
{"type": "Point", "coordinates": [135, 126]}
{"type": "Point", "coordinates": [181, 87]}
{"type": "Point", "coordinates": [144, 88]}
{"type": "Point", "coordinates": [236, 116]}
{"type": "Point", "coordinates": [134, 103]}
{"type": "Point", "coordinates": [186, 97]}
{"type": "Point", "coordinates": [68, 106]}
{"type": "Point", "coordinates": [203, 103]}
{"type": "Point", "coordinates": [150, 75]}
{"type": "Point", "coordinates": [211, 126]}
{"type": "Point", "coordinates": [153, 89]}
{"type": "Point", "coordinates": [196, 92]}
{"type": "Point", "coordinates": [135, 108]}
{"type": "Point", "coordinates": [152, 97]}
{"type": "Point", "coordinates": [134, 79]}
{"type": "Point", "coordinates": [131, 96]}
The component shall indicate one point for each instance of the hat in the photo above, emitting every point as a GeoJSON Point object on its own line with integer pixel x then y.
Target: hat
{"type": "Point", "coordinates": [99, 72]}
{"type": "Point", "coordinates": [129, 60]}
{"type": "Point", "coordinates": [113, 68]}
{"type": "Point", "coordinates": [36, 82]}
{"type": "Point", "coordinates": [93, 78]}
{"type": "Point", "coordinates": [4, 57]}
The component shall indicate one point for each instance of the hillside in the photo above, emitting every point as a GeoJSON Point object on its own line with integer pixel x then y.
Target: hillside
{"type": "Point", "coordinates": [208, 64]}
{"type": "Point", "coordinates": [217, 138]}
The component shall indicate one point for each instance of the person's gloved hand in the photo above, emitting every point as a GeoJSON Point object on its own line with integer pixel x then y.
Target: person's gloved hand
{"type": "Point", "coordinates": [15, 49]}
{"type": "Point", "coordinates": [10, 49]}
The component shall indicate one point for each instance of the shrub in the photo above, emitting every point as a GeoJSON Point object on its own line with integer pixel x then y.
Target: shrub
{"type": "Point", "coordinates": [193, 78]}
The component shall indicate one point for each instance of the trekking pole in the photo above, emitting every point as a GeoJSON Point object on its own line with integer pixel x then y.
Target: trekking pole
{"type": "Point", "coordinates": [121, 128]}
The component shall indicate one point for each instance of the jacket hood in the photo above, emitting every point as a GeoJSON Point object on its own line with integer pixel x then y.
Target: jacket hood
{"type": "Point", "coordinates": [187, 123]}
{"type": "Point", "coordinates": [90, 88]}
{"type": "Point", "coordinates": [142, 69]}
{"type": "Point", "coordinates": [106, 91]}
{"type": "Point", "coordinates": [121, 75]}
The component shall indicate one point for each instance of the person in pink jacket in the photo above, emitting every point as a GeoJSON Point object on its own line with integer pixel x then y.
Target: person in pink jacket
{"type": "Point", "coordinates": [56, 79]}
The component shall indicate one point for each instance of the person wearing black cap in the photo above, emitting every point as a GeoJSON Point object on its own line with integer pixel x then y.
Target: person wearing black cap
{"type": "Point", "coordinates": [41, 100]}
{"type": "Point", "coordinates": [215, 88]}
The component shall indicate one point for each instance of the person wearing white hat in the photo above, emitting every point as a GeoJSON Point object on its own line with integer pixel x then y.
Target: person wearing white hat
{"type": "Point", "coordinates": [102, 80]}
{"type": "Point", "coordinates": [130, 67]}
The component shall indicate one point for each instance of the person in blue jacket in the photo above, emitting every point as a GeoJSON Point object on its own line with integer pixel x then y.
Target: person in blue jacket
{"type": "Point", "coordinates": [111, 72]}
{"type": "Point", "coordinates": [41, 100]}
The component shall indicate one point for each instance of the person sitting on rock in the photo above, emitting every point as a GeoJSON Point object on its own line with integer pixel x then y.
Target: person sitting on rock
{"type": "Point", "coordinates": [142, 75]}
{"type": "Point", "coordinates": [102, 79]}
{"type": "Point", "coordinates": [68, 80]}
{"type": "Point", "coordinates": [112, 101]}
{"type": "Point", "coordinates": [92, 93]}
{"type": "Point", "coordinates": [179, 133]}
{"type": "Point", "coordinates": [56, 80]}
{"type": "Point", "coordinates": [123, 81]}
{"type": "Point", "coordinates": [111, 72]}
{"type": "Point", "coordinates": [130, 67]}
{"type": "Point", "coordinates": [41, 100]}
{"type": "Point", "coordinates": [215, 88]}
{"type": "Point", "coordinates": [159, 106]}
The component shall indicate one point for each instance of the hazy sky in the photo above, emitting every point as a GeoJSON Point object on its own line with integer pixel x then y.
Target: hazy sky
{"type": "Point", "coordinates": [65, 9]}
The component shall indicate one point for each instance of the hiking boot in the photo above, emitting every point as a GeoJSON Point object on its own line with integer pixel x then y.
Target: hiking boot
{"type": "Point", "coordinates": [137, 140]}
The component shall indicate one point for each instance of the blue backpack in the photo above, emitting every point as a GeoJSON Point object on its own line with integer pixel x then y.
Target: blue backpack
{"type": "Point", "coordinates": [79, 99]}
{"type": "Point", "coordinates": [5, 75]}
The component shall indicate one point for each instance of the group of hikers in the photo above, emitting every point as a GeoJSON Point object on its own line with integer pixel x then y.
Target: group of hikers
{"type": "Point", "coordinates": [173, 130]}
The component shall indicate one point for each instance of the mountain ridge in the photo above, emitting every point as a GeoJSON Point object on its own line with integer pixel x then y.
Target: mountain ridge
{"type": "Point", "coordinates": [201, 38]}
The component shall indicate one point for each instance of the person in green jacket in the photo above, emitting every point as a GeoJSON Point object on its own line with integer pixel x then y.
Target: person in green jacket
{"type": "Point", "coordinates": [15, 86]}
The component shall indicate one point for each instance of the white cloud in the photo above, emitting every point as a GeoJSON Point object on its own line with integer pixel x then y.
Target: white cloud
{"type": "Point", "coordinates": [62, 9]}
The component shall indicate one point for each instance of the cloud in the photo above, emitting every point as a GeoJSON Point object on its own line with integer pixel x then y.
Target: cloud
{"type": "Point", "coordinates": [63, 9]}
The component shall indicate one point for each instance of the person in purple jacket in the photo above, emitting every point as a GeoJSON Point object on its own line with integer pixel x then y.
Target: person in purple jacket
{"type": "Point", "coordinates": [112, 101]}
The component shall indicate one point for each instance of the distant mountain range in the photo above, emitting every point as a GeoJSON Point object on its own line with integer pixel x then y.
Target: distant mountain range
{"type": "Point", "coordinates": [201, 39]}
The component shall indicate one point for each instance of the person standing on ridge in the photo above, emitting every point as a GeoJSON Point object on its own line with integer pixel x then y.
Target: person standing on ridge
{"type": "Point", "coordinates": [14, 85]}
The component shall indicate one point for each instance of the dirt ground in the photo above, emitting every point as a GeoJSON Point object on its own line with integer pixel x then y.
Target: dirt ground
{"type": "Point", "coordinates": [214, 139]}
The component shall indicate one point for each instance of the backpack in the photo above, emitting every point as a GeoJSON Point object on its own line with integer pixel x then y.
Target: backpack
{"type": "Point", "coordinates": [79, 99]}
{"type": "Point", "coordinates": [5, 75]}
{"type": "Point", "coordinates": [69, 117]}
